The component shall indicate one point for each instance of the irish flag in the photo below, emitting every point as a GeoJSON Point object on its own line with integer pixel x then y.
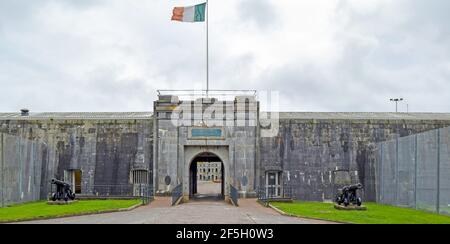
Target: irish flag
{"type": "Point", "coordinates": [194, 13]}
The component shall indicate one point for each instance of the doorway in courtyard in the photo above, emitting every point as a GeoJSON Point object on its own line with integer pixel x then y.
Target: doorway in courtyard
{"type": "Point", "coordinates": [206, 178]}
{"type": "Point", "coordinates": [73, 177]}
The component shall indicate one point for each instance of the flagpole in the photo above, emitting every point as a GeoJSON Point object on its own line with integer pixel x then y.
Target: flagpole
{"type": "Point", "coordinates": [207, 48]}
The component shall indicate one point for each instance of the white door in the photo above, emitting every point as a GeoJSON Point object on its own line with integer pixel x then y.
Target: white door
{"type": "Point", "coordinates": [273, 186]}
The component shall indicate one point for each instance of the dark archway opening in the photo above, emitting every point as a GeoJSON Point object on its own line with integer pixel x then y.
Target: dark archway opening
{"type": "Point", "coordinates": [206, 177]}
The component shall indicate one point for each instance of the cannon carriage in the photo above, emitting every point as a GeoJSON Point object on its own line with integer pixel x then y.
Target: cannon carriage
{"type": "Point", "coordinates": [348, 195]}
{"type": "Point", "coordinates": [63, 191]}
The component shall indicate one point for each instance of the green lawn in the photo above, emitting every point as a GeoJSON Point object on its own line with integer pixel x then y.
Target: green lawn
{"type": "Point", "coordinates": [375, 214]}
{"type": "Point", "coordinates": [28, 211]}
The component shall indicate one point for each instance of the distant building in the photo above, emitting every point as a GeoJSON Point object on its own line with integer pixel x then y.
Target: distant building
{"type": "Point", "coordinates": [209, 171]}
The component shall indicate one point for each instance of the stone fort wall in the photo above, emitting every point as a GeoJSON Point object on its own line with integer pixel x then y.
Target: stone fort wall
{"type": "Point", "coordinates": [103, 148]}
{"type": "Point", "coordinates": [21, 162]}
{"type": "Point", "coordinates": [312, 147]}
{"type": "Point", "coordinates": [309, 149]}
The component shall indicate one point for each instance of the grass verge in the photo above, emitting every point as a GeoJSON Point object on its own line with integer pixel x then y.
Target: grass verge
{"type": "Point", "coordinates": [375, 214]}
{"type": "Point", "coordinates": [41, 210]}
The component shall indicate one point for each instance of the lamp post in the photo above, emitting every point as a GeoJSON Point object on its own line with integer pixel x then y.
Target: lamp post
{"type": "Point", "coordinates": [396, 100]}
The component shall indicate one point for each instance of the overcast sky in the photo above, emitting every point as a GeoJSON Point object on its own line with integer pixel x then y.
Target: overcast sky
{"type": "Point", "coordinates": [321, 55]}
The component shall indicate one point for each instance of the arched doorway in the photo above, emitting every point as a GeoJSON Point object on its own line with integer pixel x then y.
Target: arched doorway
{"type": "Point", "coordinates": [206, 177]}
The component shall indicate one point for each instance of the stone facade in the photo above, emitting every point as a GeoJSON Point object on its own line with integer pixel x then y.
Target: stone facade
{"type": "Point", "coordinates": [313, 149]}
{"type": "Point", "coordinates": [105, 147]}
{"type": "Point", "coordinates": [21, 169]}
{"type": "Point", "coordinates": [314, 153]}
{"type": "Point", "coordinates": [186, 130]}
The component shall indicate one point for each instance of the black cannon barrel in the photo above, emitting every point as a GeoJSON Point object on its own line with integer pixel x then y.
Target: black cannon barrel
{"type": "Point", "coordinates": [355, 187]}
{"type": "Point", "coordinates": [59, 182]}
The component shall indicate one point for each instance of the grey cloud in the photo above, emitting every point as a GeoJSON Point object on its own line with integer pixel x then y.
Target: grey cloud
{"type": "Point", "coordinates": [398, 49]}
{"type": "Point", "coordinates": [22, 9]}
{"type": "Point", "coordinates": [262, 13]}
{"type": "Point", "coordinates": [309, 88]}
{"type": "Point", "coordinates": [430, 15]}
{"type": "Point", "coordinates": [408, 55]}
{"type": "Point", "coordinates": [239, 77]}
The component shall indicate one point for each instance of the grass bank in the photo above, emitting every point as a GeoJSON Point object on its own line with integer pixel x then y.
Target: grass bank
{"type": "Point", "coordinates": [376, 214]}
{"type": "Point", "coordinates": [41, 210]}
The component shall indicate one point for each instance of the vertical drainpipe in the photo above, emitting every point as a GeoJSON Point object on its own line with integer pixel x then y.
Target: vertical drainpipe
{"type": "Point", "coordinates": [377, 173]}
{"type": "Point", "coordinates": [19, 144]}
{"type": "Point", "coordinates": [438, 170]}
{"type": "Point", "coordinates": [2, 168]}
{"type": "Point", "coordinates": [257, 166]}
{"type": "Point", "coordinates": [416, 158]}
{"type": "Point", "coordinates": [180, 171]}
{"type": "Point", "coordinates": [155, 149]}
{"type": "Point", "coordinates": [396, 165]}
{"type": "Point", "coordinates": [381, 174]}
{"type": "Point", "coordinates": [378, 176]}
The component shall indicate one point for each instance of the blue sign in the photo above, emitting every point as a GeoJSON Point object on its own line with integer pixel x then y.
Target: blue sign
{"type": "Point", "coordinates": [206, 132]}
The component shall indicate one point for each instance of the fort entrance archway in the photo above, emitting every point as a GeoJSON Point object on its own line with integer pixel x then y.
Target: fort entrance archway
{"type": "Point", "coordinates": [207, 172]}
{"type": "Point", "coordinates": [206, 177]}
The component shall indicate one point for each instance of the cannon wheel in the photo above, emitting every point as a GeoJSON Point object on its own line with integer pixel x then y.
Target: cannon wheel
{"type": "Point", "coordinates": [358, 201]}
{"type": "Point", "coordinates": [346, 202]}
{"type": "Point", "coordinates": [338, 200]}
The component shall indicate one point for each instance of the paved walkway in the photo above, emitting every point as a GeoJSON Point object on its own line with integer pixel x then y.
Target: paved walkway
{"type": "Point", "coordinates": [208, 187]}
{"type": "Point", "coordinates": [195, 212]}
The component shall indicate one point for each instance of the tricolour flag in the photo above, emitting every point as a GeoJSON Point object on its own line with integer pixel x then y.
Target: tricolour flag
{"type": "Point", "coordinates": [190, 14]}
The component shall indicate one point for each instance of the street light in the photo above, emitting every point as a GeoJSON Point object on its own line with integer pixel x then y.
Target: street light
{"type": "Point", "coordinates": [396, 100]}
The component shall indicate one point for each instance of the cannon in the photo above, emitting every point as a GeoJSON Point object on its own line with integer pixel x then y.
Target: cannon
{"type": "Point", "coordinates": [348, 195]}
{"type": "Point", "coordinates": [63, 191]}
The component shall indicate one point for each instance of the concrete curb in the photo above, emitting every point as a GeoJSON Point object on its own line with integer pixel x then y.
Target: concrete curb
{"type": "Point", "coordinates": [300, 217]}
{"type": "Point", "coordinates": [75, 215]}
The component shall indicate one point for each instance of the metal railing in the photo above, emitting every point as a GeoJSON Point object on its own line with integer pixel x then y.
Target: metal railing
{"type": "Point", "coordinates": [110, 190]}
{"type": "Point", "coordinates": [146, 193]}
{"type": "Point", "coordinates": [137, 191]}
{"type": "Point", "coordinates": [177, 193]}
{"type": "Point", "coordinates": [274, 192]}
{"type": "Point", "coordinates": [187, 95]}
{"type": "Point", "coordinates": [234, 195]}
